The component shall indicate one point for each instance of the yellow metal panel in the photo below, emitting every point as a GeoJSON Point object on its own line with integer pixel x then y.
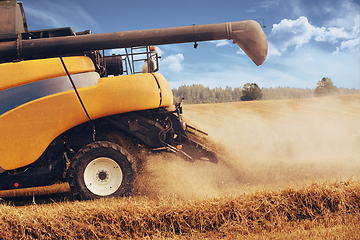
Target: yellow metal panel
{"type": "Point", "coordinates": [119, 94]}
{"type": "Point", "coordinates": [166, 92]}
{"type": "Point", "coordinates": [27, 130]}
{"type": "Point", "coordinates": [19, 73]}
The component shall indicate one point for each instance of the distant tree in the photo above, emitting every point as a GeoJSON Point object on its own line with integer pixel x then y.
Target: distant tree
{"type": "Point", "coordinates": [325, 87]}
{"type": "Point", "coordinates": [251, 91]}
{"type": "Point", "coordinates": [197, 93]}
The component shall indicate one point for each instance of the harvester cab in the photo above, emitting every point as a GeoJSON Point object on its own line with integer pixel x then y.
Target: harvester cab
{"type": "Point", "coordinates": [70, 109]}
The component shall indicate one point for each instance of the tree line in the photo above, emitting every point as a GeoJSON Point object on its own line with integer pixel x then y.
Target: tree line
{"type": "Point", "coordinates": [197, 93]}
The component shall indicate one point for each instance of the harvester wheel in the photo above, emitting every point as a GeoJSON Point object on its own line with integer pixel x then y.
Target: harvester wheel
{"type": "Point", "coordinates": [101, 169]}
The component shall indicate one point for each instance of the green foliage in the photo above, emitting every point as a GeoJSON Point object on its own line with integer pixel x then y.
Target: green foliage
{"type": "Point", "coordinates": [325, 87]}
{"type": "Point", "coordinates": [251, 91]}
{"type": "Point", "coordinates": [197, 93]}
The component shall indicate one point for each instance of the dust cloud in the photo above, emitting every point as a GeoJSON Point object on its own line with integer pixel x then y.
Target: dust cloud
{"type": "Point", "coordinates": [263, 145]}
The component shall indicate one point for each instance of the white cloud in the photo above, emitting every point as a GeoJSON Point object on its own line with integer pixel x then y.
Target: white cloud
{"type": "Point", "coordinates": [241, 52]}
{"type": "Point", "coordinates": [220, 43]}
{"type": "Point", "coordinates": [49, 20]}
{"type": "Point", "coordinates": [265, 5]}
{"type": "Point", "coordinates": [117, 51]}
{"type": "Point", "coordinates": [291, 33]}
{"type": "Point", "coordinates": [331, 34]}
{"type": "Point", "coordinates": [60, 14]}
{"type": "Point", "coordinates": [272, 50]}
{"type": "Point", "coordinates": [295, 33]}
{"type": "Point", "coordinates": [173, 62]}
{"type": "Point", "coordinates": [350, 45]}
{"type": "Point", "coordinates": [297, 9]}
{"type": "Point", "coordinates": [342, 14]}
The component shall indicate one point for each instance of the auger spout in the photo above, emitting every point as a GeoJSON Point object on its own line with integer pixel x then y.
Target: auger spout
{"type": "Point", "coordinates": [250, 38]}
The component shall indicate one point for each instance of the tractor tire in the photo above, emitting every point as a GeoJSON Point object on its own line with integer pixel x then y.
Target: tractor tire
{"type": "Point", "coordinates": [100, 169]}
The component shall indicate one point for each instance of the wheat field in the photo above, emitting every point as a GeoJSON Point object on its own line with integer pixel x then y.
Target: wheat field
{"type": "Point", "coordinates": [289, 169]}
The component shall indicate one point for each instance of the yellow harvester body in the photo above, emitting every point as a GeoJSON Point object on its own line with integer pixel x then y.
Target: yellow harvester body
{"type": "Point", "coordinates": [42, 104]}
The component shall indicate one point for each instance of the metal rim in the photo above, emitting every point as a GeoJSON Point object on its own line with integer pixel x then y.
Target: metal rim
{"type": "Point", "coordinates": [103, 176]}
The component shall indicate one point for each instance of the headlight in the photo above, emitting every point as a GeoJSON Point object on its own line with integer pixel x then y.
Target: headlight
{"type": "Point", "coordinates": [183, 125]}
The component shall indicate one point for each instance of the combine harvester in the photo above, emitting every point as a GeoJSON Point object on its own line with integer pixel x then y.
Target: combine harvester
{"type": "Point", "coordinates": [60, 97]}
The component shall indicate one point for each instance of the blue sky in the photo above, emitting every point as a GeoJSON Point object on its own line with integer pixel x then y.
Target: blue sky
{"type": "Point", "coordinates": [308, 40]}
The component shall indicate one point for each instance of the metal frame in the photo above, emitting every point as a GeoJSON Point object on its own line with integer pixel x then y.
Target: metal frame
{"type": "Point", "coordinates": [131, 58]}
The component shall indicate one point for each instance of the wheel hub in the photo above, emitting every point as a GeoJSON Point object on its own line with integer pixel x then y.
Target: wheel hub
{"type": "Point", "coordinates": [103, 176]}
